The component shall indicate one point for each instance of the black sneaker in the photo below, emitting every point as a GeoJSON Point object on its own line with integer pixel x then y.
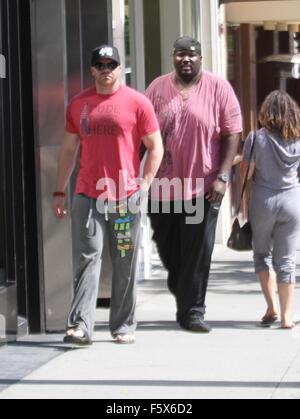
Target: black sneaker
{"type": "Point", "coordinates": [197, 325]}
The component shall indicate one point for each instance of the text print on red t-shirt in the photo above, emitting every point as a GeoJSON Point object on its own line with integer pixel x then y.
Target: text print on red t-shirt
{"type": "Point", "coordinates": [103, 120]}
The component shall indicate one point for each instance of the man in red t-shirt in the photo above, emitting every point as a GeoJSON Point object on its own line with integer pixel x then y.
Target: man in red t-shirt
{"type": "Point", "coordinates": [108, 124]}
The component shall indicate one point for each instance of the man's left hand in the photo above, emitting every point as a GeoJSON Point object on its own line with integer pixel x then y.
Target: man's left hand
{"type": "Point", "coordinates": [217, 192]}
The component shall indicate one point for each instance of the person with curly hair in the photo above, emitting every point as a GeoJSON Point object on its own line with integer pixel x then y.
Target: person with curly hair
{"type": "Point", "coordinates": [274, 210]}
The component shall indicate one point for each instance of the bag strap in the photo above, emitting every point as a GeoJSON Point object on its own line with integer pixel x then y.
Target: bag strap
{"type": "Point", "coordinates": [247, 174]}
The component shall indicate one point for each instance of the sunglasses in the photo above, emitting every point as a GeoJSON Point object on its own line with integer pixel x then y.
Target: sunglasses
{"type": "Point", "coordinates": [110, 66]}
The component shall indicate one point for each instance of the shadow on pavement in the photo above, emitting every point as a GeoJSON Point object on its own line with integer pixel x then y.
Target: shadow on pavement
{"type": "Point", "coordinates": [173, 326]}
{"type": "Point", "coordinates": [159, 383]}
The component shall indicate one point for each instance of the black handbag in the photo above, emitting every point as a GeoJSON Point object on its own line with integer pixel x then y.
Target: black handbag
{"type": "Point", "coordinates": [241, 237]}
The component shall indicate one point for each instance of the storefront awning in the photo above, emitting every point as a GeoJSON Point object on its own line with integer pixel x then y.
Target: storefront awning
{"type": "Point", "coordinates": [258, 12]}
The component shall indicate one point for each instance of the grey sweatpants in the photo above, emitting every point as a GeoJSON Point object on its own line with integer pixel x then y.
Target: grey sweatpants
{"type": "Point", "coordinates": [275, 222]}
{"type": "Point", "coordinates": [123, 231]}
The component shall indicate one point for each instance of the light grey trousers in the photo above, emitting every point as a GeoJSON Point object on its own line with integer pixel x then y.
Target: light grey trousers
{"type": "Point", "coordinates": [275, 222]}
{"type": "Point", "coordinates": [122, 228]}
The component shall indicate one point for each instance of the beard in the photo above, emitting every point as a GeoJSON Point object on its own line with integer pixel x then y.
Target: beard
{"type": "Point", "coordinates": [187, 76]}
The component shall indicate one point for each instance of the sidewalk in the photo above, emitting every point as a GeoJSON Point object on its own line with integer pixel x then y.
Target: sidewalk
{"type": "Point", "coordinates": [237, 360]}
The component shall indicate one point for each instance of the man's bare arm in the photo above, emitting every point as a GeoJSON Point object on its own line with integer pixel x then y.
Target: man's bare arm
{"type": "Point", "coordinates": [230, 144]}
{"type": "Point", "coordinates": [155, 149]}
{"type": "Point", "coordinates": [229, 150]}
{"type": "Point", "coordinates": [66, 164]}
{"type": "Point", "coordinates": [239, 156]}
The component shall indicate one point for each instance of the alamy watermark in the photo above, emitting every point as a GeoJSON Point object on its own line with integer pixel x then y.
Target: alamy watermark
{"type": "Point", "coordinates": [2, 67]}
{"type": "Point", "coordinates": [166, 196]}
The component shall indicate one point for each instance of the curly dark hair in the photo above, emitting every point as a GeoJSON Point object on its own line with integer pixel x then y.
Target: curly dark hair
{"type": "Point", "coordinates": [279, 112]}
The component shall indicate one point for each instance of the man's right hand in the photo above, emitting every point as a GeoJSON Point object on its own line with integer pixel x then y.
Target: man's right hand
{"type": "Point", "coordinates": [66, 163]}
{"type": "Point", "coordinates": [59, 204]}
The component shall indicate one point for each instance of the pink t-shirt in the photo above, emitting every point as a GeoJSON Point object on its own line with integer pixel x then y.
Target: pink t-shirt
{"type": "Point", "coordinates": [111, 128]}
{"type": "Point", "coordinates": [192, 127]}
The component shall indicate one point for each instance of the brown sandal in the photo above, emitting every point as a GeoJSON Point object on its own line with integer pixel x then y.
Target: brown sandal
{"type": "Point", "coordinates": [79, 340]}
{"type": "Point", "coordinates": [267, 321]}
{"type": "Point", "coordinates": [291, 327]}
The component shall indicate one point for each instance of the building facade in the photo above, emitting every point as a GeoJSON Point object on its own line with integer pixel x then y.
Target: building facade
{"type": "Point", "coordinates": [46, 48]}
{"type": "Point", "coordinates": [262, 54]}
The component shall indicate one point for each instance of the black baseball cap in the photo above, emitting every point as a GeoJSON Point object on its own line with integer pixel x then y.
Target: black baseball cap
{"type": "Point", "coordinates": [186, 43]}
{"type": "Point", "coordinates": [105, 51]}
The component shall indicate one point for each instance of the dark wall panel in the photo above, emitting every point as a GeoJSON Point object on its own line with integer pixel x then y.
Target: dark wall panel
{"type": "Point", "coordinates": [18, 168]}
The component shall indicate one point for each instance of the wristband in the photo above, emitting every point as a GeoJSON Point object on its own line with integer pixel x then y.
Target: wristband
{"type": "Point", "coordinates": [59, 195]}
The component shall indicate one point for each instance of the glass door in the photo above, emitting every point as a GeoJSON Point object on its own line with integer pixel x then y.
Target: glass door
{"type": "Point", "coordinates": [19, 275]}
{"type": "Point", "coordinates": [2, 244]}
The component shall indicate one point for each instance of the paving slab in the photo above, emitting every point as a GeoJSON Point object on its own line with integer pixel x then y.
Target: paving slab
{"type": "Point", "coordinates": [238, 360]}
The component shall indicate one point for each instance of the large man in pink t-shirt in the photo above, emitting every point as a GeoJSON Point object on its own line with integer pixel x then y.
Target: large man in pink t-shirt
{"type": "Point", "coordinates": [107, 123]}
{"type": "Point", "coordinates": [200, 122]}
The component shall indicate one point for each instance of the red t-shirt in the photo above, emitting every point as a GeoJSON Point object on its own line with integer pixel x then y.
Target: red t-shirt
{"type": "Point", "coordinates": [111, 128]}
